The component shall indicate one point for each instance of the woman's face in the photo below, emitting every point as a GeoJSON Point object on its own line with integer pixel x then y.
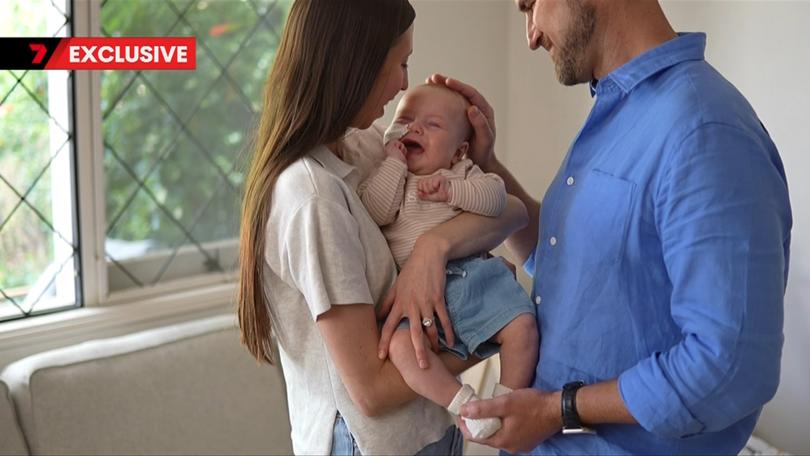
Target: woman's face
{"type": "Point", "coordinates": [392, 78]}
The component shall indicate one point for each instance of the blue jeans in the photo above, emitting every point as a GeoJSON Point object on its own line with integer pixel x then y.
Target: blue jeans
{"type": "Point", "coordinates": [343, 443]}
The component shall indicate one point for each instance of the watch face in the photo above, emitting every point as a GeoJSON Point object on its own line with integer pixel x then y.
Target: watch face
{"type": "Point", "coordinates": [573, 385]}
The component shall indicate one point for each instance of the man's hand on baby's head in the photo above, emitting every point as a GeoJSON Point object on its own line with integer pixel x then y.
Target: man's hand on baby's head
{"type": "Point", "coordinates": [396, 150]}
{"type": "Point", "coordinates": [434, 188]}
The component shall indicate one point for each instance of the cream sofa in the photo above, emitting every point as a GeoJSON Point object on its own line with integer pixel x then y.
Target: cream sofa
{"type": "Point", "coordinates": [182, 389]}
{"type": "Point", "coordinates": [11, 439]}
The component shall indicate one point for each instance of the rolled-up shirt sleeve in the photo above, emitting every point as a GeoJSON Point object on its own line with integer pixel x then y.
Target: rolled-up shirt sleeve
{"type": "Point", "coordinates": [723, 217]}
{"type": "Point", "coordinates": [323, 252]}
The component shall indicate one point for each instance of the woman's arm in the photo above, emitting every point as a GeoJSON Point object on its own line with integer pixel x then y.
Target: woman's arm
{"type": "Point", "coordinates": [468, 234]}
{"type": "Point", "coordinates": [419, 290]}
{"type": "Point", "coordinates": [375, 386]}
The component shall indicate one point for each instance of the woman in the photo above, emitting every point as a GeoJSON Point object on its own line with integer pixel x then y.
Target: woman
{"type": "Point", "coordinates": [313, 263]}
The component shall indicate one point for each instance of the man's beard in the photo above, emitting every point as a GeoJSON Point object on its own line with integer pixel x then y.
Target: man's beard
{"type": "Point", "coordinates": [571, 55]}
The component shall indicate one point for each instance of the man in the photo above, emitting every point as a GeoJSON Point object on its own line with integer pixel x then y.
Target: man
{"type": "Point", "coordinates": [660, 256]}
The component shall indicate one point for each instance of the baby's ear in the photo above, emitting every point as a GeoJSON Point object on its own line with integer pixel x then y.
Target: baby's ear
{"type": "Point", "coordinates": [461, 152]}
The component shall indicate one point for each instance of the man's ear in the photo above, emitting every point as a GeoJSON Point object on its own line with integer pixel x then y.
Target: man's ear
{"type": "Point", "coordinates": [460, 152]}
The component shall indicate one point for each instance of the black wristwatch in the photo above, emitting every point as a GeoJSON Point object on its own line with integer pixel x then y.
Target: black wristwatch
{"type": "Point", "coordinates": [570, 417]}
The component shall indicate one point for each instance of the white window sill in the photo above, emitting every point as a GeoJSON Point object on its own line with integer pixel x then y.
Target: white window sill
{"type": "Point", "coordinates": [135, 312]}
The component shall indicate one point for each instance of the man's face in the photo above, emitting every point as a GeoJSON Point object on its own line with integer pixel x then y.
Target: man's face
{"type": "Point", "coordinates": [564, 28]}
{"type": "Point", "coordinates": [436, 120]}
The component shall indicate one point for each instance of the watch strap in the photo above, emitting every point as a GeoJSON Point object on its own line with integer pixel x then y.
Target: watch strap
{"type": "Point", "coordinates": [570, 417]}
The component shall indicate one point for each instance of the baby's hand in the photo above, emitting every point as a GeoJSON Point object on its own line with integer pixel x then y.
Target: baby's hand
{"type": "Point", "coordinates": [396, 150]}
{"type": "Point", "coordinates": [434, 188]}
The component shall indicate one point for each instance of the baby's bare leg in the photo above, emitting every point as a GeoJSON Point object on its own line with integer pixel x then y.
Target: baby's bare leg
{"type": "Point", "coordinates": [435, 383]}
{"type": "Point", "coordinates": [519, 346]}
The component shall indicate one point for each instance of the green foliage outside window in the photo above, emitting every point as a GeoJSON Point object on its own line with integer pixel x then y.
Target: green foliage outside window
{"type": "Point", "coordinates": [176, 142]}
{"type": "Point", "coordinates": [184, 134]}
{"type": "Point", "coordinates": [26, 242]}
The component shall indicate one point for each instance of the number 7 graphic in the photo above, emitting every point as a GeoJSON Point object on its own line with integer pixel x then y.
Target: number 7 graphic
{"type": "Point", "coordinates": [40, 49]}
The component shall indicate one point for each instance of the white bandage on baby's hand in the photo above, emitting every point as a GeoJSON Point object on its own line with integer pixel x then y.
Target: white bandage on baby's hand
{"type": "Point", "coordinates": [395, 131]}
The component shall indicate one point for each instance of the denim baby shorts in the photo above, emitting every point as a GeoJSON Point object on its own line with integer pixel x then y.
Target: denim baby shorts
{"type": "Point", "coordinates": [482, 297]}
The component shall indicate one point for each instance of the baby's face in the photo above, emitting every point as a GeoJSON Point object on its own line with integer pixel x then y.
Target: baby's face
{"type": "Point", "coordinates": [437, 128]}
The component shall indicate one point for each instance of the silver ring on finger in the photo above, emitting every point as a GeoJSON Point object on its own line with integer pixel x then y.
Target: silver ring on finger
{"type": "Point", "coordinates": [427, 322]}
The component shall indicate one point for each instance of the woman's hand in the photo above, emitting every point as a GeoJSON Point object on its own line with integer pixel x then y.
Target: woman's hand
{"type": "Point", "coordinates": [418, 293]}
{"type": "Point", "coordinates": [482, 118]}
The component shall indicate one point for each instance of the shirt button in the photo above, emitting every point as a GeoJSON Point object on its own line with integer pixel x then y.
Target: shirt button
{"type": "Point", "coordinates": [570, 181]}
{"type": "Point", "coordinates": [552, 241]}
{"type": "Point", "coordinates": [538, 300]}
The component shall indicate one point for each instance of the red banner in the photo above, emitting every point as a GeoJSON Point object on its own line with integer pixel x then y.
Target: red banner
{"type": "Point", "coordinates": [86, 53]}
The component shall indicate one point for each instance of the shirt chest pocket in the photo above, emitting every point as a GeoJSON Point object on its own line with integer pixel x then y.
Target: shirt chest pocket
{"type": "Point", "coordinates": [597, 221]}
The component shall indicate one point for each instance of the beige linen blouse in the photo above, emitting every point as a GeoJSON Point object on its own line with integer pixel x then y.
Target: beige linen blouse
{"type": "Point", "coordinates": [323, 249]}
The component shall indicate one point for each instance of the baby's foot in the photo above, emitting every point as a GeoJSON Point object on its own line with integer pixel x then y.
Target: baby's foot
{"type": "Point", "coordinates": [482, 428]}
{"type": "Point", "coordinates": [479, 428]}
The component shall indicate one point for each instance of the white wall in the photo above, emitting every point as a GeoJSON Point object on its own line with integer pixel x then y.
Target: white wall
{"type": "Point", "coordinates": [760, 46]}
{"type": "Point", "coordinates": [463, 39]}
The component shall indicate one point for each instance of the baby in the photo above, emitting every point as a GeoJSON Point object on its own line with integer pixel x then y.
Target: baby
{"type": "Point", "coordinates": [424, 181]}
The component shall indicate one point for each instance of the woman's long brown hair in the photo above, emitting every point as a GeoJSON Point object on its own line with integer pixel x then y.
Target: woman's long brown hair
{"type": "Point", "coordinates": [327, 62]}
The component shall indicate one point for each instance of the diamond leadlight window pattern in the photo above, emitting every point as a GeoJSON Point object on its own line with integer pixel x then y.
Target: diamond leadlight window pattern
{"type": "Point", "coordinates": [175, 149]}
{"type": "Point", "coordinates": [39, 267]}
{"type": "Point", "coordinates": [175, 141]}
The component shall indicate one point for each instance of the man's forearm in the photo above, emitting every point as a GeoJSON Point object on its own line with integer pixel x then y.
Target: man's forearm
{"type": "Point", "coordinates": [522, 242]}
{"type": "Point", "coordinates": [602, 403]}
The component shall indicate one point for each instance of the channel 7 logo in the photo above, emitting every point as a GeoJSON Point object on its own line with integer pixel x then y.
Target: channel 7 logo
{"type": "Point", "coordinates": [40, 50]}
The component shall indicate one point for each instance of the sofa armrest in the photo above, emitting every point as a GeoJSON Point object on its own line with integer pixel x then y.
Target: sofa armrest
{"type": "Point", "coordinates": [189, 388]}
{"type": "Point", "coordinates": [12, 442]}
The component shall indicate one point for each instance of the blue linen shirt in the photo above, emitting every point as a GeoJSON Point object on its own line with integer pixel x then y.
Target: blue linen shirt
{"type": "Point", "coordinates": [662, 258]}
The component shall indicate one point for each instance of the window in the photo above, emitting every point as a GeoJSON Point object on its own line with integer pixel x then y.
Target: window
{"type": "Point", "coordinates": [160, 155]}
{"type": "Point", "coordinates": [39, 261]}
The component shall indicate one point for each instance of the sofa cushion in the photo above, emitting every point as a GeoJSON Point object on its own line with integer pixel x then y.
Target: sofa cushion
{"type": "Point", "coordinates": [12, 439]}
{"type": "Point", "coordinates": [188, 388]}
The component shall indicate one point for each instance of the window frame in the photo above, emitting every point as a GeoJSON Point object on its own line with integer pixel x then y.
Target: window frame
{"type": "Point", "coordinates": [99, 274]}
{"type": "Point", "coordinates": [61, 167]}
{"type": "Point", "coordinates": [101, 312]}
